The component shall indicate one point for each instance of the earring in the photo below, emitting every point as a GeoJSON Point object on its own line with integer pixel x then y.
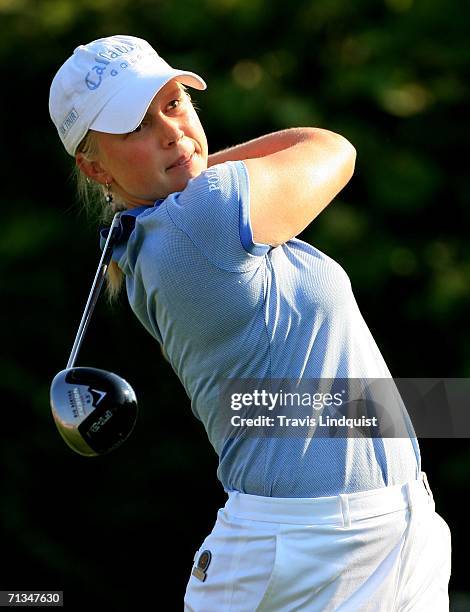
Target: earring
{"type": "Point", "coordinates": [109, 196]}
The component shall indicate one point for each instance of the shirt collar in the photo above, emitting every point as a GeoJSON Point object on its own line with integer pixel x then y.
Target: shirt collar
{"type": "Point", "coordinates": [127, 223]}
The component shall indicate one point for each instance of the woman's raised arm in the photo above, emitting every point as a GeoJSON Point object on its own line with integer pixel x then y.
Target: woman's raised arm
{"type": "Point", "coordinates": [294, 174]}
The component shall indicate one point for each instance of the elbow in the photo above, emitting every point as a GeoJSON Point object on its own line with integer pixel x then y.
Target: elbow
{"type": "Point", "coordinates": [347, 146]}
{"type": "Point", "coordinates": [349, 155]}
{"type": "Point", "coordinates": [352, 158]}
{"type": "Point", "coordinates": [351, 150]}
{"type": "Point", "coordinates": [345, 161]}
{"type": "Point", "coordinates": [344, 150]}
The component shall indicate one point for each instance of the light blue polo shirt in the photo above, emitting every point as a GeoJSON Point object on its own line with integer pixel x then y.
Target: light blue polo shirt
{"type": "Point", "coordinates": [224, 307]}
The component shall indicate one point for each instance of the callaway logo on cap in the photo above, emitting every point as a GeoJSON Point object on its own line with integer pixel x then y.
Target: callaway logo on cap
{"type": "Point", "coordinates": [108, 86]}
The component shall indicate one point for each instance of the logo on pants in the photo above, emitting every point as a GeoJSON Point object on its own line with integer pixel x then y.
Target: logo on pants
{"type": "Point", "coordinates": [200, 571]}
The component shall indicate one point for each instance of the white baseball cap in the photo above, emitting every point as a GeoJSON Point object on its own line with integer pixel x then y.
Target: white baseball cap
{"type": "Point", "coordinates": [108, 86]}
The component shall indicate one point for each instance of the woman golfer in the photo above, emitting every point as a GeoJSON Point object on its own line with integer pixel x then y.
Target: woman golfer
{"type": "Point", "coordinates": [214, 271]}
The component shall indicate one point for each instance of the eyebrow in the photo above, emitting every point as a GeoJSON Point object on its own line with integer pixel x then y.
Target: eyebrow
{"type": "Point", "coordinates": [176, 88]}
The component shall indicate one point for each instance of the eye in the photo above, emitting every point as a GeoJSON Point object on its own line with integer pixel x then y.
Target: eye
{"type": "Point", "coordinates": [181, 102]}
{"type": "Point", "coordinates": [174, 103]}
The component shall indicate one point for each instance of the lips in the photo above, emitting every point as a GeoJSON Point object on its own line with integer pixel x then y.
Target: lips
{"type": "Point", "coordinates": [182, 160]}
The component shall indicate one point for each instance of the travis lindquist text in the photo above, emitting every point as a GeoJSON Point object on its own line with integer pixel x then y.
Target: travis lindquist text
{"type": "Point", "coordinates": [320, 421]}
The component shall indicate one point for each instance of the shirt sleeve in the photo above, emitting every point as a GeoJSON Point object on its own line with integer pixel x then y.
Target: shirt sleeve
{"type": "Point", "coordinates": [214, 212]}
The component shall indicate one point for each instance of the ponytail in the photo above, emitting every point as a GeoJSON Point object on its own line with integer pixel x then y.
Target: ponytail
{"type": "Point", "coordinates": [92, 197]}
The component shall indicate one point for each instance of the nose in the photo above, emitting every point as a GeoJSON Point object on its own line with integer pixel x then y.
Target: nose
{"type": "Point", "coordinates": [170, 132]}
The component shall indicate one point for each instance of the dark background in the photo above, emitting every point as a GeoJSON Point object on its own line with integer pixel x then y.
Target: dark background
{"type": "Point", "coordinates": [122, 530]}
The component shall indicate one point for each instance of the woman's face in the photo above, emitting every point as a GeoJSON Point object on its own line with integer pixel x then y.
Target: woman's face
{"type": "Point", "coordinates": [167, 149]}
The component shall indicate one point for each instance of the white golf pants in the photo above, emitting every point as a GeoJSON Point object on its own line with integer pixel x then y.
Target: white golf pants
{"type": "Point", "coordinates": [382, 550]}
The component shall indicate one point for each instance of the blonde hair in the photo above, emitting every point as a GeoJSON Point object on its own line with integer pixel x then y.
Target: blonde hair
{"type": "Point", "coordinates": [92, 196]}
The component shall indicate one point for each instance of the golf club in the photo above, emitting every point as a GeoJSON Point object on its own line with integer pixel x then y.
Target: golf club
{"type": "Point", "coordinates": [95, 411]}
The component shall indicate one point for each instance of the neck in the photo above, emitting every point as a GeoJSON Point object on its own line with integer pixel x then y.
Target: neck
{"type": "Point", "coordinates": [130, 201]}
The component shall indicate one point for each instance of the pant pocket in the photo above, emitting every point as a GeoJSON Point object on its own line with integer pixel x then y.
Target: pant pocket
{"type": "Point", "coordinates": [444, 542]}
{"type": "Point", "coordinates": [425, 587]}
{"type": "Point", "coordinates": [264, 597]}
{"type": "Point", "coordinates": [307, 565]}
{"type": "Point", "coordinates": [237, 561]}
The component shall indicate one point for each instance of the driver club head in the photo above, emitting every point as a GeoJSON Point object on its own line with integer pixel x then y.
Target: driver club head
{"type": "Point", "coordinates": [95, 411]}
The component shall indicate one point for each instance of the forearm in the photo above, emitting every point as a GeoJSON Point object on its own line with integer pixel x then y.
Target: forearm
{"type": "Point", "coordinates": [264, 145]}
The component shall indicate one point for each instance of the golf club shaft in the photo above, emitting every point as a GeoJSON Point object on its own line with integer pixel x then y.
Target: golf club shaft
{"type": "Point", "coordinates": [95, 288]}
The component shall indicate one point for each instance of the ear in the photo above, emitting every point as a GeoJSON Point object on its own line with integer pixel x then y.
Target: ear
{"type": "Point", "coordinates": [93, 169]}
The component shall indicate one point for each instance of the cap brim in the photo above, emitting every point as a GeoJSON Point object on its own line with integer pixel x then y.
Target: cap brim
{"type": "Point", "coordinates": [126, 109]}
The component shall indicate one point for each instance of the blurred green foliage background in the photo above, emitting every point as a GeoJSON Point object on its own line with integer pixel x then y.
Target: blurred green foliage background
{"type": "Point", "coordinates": [390, 75]}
